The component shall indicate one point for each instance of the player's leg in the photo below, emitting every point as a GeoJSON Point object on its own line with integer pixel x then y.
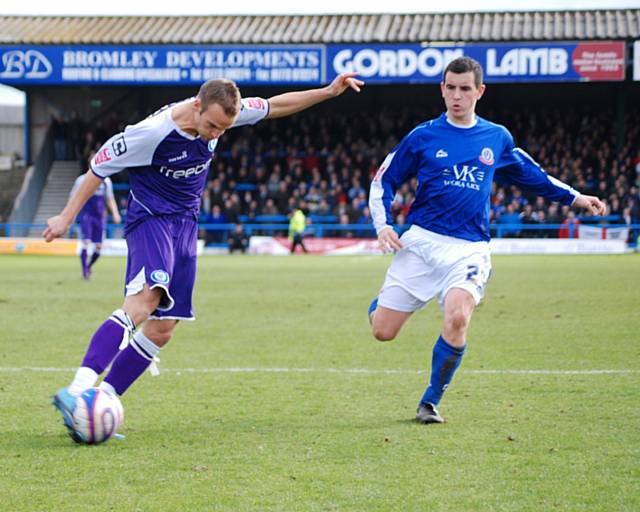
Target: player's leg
{"type": "Point", "coordinates": [386, 323]}
{"type": "Point", "coordinates": [447, 352]}
{"type": "Point", "coordinates": [146, 290]}
{"type": "Point", "coordinates": [138, 355]}
{"type": "Point", "coordinates": [97, 249]}
{"type": "Point", "coordinates": [406, 289]}
{"type": "Point", "coordinates": [463, 290]}
{"type": "Point", "coordinates": [85, 235]}
{"type": "Point", "coordinates": [150, 251]}
{"type": "Point", "coordinates": [84, 251]}
{"type": "Point", "coordinates": [113, 333]}
{"type": "Point", "coordinates": [158, 329]}
{"type": "Point", "coordinates": [97, 234]}
{"type": "Point", "coordinates": [103, 347]}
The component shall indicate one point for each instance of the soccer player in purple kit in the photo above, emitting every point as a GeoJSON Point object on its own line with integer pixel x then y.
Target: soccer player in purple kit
{"type": "Point", "coordinates": [92, 221]}
{"type": "Point", "coordinates": [168, 157]}
{"type": "Point", "coordinates": [445, 252]}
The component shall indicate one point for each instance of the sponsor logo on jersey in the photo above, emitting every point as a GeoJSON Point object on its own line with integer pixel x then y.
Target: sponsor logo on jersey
{"type": "Point", "coordinates": [464, 176]}
{"type": "Point", "coordinates": [181, 156]}
{"type": "Point", "coordinates": [160, 277]}
{"type": "Point", "coordinates": [442, 154]}
{"type": "Point", "coordinates": [256, 103]}
{"type": "Point", "coordinates": [102, 156]}
{"type": "Point", "coordinates": [486, 156]}
{"type": "Point", "coordinates": [384, 166]}
{"type": "Point", "coordinates": [119, 146]}
{"type": "Point", "coordinates": [184, 173]}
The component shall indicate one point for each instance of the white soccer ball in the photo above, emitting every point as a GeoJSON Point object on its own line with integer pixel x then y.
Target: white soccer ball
{"type": "Point", "coordinates": [98, 415]}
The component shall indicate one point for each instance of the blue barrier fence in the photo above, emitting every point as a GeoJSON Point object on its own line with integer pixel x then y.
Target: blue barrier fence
{"type": "Point", "coordinates": [217, 233]}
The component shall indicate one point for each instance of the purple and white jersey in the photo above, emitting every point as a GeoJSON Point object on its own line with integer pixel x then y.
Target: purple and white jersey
{"type": "Point", "coordinates": [167, 167]}
{"type": "Point", "coordinates": [95, 205]}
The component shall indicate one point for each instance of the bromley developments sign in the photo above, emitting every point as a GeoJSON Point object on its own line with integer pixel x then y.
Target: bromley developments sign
{"type": "Point", "coordinates": [165, 65]}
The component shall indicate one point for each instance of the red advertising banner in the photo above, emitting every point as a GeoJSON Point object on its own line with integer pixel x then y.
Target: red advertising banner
{"type": "Point", "coordinates": [600, 61]}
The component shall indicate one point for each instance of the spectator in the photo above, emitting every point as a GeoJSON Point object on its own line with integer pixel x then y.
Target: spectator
{"type": "Point", "coordinates": [509, 218]}
{"type": "Point", "coordinates": [569, 227]}
{"type": "Point", "coordinates": [58, 132]}
{"type": "Point", "coordinates": [333, 167]}
{"type": "Point", "coordinates": [216, 217]}
{"type": "Point", "coordinates": [297, 225]}
{"type": "Point", "coordinates": [270, 208]}
{"type": "Point", "coordinates": [528, 216]}
{"type": "Point", "coordinates": [238, 239]}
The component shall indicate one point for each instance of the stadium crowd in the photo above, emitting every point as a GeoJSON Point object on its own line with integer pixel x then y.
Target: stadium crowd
{"type": "Point", "coordinates": [325, 161]}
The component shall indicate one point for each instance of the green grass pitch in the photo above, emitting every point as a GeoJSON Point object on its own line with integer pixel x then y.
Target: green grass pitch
{"type": "Point", "coordinates": [318, 416]}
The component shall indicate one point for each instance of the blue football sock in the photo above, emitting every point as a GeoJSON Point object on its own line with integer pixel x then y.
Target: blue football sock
{"type": "Point", "coordinates": [373, 306]}
{"type": "Point", "coordinates": [444, 363]}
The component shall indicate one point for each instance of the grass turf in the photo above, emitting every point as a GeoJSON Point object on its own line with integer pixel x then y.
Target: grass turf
{"type": "Point", "coordinates": [322, 436]}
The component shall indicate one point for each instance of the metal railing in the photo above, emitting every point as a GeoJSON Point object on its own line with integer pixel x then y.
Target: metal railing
{"type": "Point", "coordinates": [217, 233]}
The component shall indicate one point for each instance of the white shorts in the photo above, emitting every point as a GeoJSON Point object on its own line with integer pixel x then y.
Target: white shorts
{"type": "Point", "coordinates": [429, 265]}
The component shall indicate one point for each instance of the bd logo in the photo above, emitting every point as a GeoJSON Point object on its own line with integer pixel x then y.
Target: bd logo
{"type": "Point", "coordinates": [160, 277]}
{"type": "Point", "coordinates": [25, 64]}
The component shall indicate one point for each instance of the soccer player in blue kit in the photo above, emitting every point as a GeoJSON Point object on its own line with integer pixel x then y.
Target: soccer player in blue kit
{"type": "Point", "coordinates": [445, 252]}
{"type": "Point", "coordinates": [92, 221]}
{"type": "Point", "coordinates": [168, 156]}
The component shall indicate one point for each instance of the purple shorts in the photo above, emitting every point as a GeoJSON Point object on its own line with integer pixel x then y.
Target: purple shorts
{"type": "Point", "coordinates": [92, 228]}
{"type": "Point", "coordinates": [162, 254]}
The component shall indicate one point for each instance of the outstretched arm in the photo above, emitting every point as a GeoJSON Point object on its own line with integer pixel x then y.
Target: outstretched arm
{"type": "Point", "coordinates": [59, 224]}
{"type": "Point", "coordinates": [292, 102]}
{"type": "Point", "coordinates": [591, 203]}
{"type": "Point", "coordinates": [524, 171]}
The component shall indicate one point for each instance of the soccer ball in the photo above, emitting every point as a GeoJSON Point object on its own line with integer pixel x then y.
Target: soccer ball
{"type": "Point", "coordinates": [98, 415]}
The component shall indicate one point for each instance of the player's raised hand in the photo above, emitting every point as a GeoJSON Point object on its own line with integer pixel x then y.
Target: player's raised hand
{"type": "Point", "coordinates": [343, 81]}
{"type": "Point", "coordinates": [56, 227]}
{"type": "Point", "coordinates": [591, 203]}
{"type": "Point", "coordinates": [388, 240]}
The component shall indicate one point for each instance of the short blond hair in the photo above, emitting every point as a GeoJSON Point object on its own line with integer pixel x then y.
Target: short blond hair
{"type": "Point", "coordinates": [223, 92]}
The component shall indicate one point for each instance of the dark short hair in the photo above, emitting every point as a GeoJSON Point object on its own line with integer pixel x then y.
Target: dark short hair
{"type": "Point", "coordinates": [464, 65]}
{"type": "Point", "coordinates": [223, 92]}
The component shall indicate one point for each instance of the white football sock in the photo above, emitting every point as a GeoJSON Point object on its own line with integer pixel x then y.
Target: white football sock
{"type": "Point", "coordinates": [85, 378]}
{"type": "Point", "coordinates": [105, 386]}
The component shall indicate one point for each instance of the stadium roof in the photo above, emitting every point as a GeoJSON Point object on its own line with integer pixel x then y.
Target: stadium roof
{"type": "Point", "coordinates": [361, 28]}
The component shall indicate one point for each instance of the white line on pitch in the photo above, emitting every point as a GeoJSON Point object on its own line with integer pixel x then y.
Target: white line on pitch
{"type": "Point", "coordinates": [357, 371]}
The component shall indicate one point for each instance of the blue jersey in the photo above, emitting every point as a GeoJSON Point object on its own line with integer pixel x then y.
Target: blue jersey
{"type": "Point", "coordinates": [167, 166]}
{"type": "Point", "coordinates": [455, 167]}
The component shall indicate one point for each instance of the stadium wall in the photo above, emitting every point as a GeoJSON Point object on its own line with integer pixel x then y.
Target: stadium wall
{"type": "Point", "coordinates": [12, 129]}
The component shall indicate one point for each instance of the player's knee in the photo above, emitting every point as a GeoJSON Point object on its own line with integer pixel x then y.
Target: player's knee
{"type": "Point", "coordinates": [140, 306]}
{"type": "Point", "coordinates": [161, 338]}
{"type": "Point", "coordinates": [383, 333]}
{"type": "Point", "coordinates": [457, 322]}
{"type": "Point", "coordinates": [159, 331]}
{"type": "Point", "coordinates": [139, 312]}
